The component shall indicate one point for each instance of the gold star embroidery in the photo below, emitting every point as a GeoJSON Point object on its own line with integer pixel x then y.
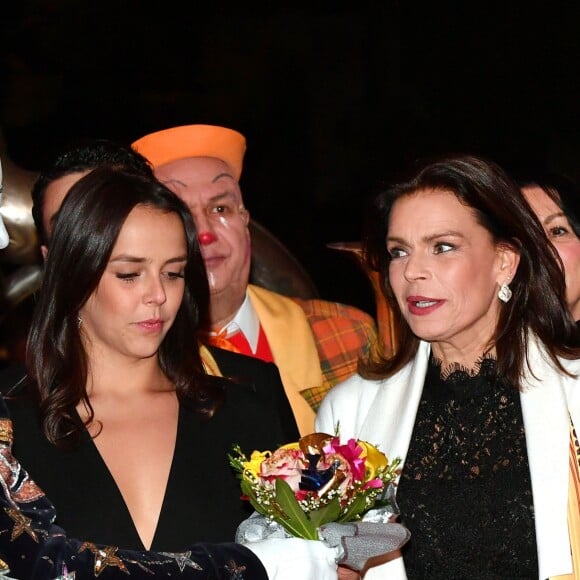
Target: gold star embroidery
{"type": "Point", "coordinates": [4, 570]}
{"type": "Point", "coordinates": [104, 557]}
{"type": "Point", "coordinates": [182, 559]}
{"type": "Point", "coordinates": [6, 436]}
{"type": "Point", "coordinates": [22, 524]}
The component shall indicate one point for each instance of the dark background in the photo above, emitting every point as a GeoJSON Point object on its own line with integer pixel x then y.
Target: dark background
{"type": "Point", "coordinates": [332, 98]}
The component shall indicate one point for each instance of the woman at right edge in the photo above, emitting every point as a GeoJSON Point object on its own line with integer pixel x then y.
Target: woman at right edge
{"type": "Point", "coordinates": [555, 199]}
{"type": "Point", "coordinates": [480, 398]}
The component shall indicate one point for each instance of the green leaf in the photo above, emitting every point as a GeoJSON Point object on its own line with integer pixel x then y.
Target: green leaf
{"type": "Point", "coordinates": [358, 506]}
{"type": "Point", "coordinates": [291, 516]}
{"type": "Point", "coordinates": [328, 513]}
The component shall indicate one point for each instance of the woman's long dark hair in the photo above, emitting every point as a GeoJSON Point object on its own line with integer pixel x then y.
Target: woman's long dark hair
{"type": "Point", "coordinates": [562, 190]}
{"type": "Point", "coordinates": [538, 304]}
{"type": "Point", "coordinates": [86, 229]}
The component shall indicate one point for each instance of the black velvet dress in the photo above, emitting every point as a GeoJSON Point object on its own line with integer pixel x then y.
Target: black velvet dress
{"type": "Point", "coordinates": [465, 491]}
{"type": "Point", "coordinates": [32, 547]}
{"type": "Point", "coordinates": [202, 499]}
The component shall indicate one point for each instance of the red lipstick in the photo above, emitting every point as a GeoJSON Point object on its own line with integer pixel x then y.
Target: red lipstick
{"type": "Point", "coordinates": [422, 305]}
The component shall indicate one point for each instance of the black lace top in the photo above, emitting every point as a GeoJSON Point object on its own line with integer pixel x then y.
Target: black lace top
{"type": "Point", "coordinates": [465, 491]}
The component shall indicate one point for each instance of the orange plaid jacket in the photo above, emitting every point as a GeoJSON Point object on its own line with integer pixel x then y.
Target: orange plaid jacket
{"type": "Point", "coordinates": [343, 334]}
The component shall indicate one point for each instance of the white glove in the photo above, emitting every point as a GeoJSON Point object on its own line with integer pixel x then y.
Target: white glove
{"type": "Point", "coordinates": [292, 558]}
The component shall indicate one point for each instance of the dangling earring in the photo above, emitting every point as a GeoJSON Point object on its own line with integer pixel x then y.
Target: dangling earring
{"type": "Point", "coordinates": [79, 320]}
{"type": "Point", "coordinates": [504, 293]}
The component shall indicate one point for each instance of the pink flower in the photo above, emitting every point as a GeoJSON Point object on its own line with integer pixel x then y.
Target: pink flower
{"type": "Point", "coordinates": [376, 483]}
{"type": "Point", "coordinates": [286, 464]}
{"type": "Point", "coordinates": [351, 453]}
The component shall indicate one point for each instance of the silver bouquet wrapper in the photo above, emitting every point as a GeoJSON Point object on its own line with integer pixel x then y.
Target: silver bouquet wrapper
{"type": "Point", "coordinates": [357, 542]}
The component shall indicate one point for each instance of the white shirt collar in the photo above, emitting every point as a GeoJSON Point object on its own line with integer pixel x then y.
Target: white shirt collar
{"type": "Point", "coordinates": [246, 320]}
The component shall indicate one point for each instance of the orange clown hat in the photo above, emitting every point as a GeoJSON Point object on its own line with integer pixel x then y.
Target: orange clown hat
{"type": "Point", "coordinates": [193, 141]}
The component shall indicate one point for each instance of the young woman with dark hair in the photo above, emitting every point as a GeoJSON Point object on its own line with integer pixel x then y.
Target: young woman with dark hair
{"type": "Point", "coordinates": [129, 427]}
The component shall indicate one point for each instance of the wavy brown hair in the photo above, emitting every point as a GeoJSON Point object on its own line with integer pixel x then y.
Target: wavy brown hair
{"type": "Point", "coordinates": [86, 229]}
{"type": "Point", "coordinates": [538, 305]}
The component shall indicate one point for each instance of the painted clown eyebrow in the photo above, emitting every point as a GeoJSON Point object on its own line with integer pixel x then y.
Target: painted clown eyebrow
{"type": "Point", "coordinates": [183, 184]}
{"type": "Point", "coordinates": [220, 175]}
{"type": "Point", "coordinates": [174, 181]}
{"type": "Point", "coordinates": [226, 195]}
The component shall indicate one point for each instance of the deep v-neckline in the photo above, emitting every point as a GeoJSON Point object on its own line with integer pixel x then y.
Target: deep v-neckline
{"type": "Point", "coordinates": [116, 491]}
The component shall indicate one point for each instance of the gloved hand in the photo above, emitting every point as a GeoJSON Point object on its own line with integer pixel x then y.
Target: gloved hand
{"type": "Point", "coordinates": [292, 558]}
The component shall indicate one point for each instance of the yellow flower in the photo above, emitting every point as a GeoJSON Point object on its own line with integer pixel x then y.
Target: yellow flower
{"type": "Point", "coordinates": [374, 459]}
{"type": "Point", "coordinates": [295, 445]}
{"type": "Point", "coordinates": [253, 466]}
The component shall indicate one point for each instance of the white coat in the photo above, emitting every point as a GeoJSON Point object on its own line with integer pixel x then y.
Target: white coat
{"type": "Point", "coordinates": [383, 413]}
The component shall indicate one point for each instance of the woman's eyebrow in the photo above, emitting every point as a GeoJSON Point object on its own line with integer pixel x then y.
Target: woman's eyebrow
{"type": "Point", "coordinates": [430, 237]}
{"type": "Point", "coordinates": [138, 260]}
{"type": "Point", "coordinates": [553, 216]}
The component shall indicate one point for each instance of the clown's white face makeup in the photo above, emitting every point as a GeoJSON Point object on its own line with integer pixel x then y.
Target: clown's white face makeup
{"type": "Point", "coordinates": [213, 195]}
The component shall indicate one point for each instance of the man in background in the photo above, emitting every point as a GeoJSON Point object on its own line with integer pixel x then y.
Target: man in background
{"type": "Point", "coordinates": [314, 343]}
{"type": "Point", "coordinates": [70, 165]}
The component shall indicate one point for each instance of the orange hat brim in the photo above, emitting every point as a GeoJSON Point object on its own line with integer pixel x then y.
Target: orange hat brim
{"type": "Point", "coordinates": [185, 141]}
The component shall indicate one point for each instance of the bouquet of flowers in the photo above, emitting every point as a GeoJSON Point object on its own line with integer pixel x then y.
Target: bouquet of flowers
{"type": "Point", "coordinates": [315, 481]}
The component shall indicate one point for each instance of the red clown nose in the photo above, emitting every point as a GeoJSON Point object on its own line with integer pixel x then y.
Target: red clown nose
{"type": "Point", "coordinates": [206, 238]}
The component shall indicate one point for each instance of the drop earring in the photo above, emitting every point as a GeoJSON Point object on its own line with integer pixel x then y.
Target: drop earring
{"type": "Point", "coordinates": [504, 293]}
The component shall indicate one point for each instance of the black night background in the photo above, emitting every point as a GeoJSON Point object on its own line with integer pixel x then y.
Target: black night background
{"type": "Point", "coordinates": [332, 98]}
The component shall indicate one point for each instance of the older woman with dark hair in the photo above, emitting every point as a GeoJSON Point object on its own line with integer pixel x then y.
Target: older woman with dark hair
{"type": "Point", "coordinates": [478, 397]}
{"type": "Point", "coordinates": [555, 199]}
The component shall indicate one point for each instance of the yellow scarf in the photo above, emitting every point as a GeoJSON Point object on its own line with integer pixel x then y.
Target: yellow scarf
{"type": "Point", "coordinates": [293, 348]}
{"type": "Point", "coordinates": [209, 364]}
{"type": "Point", "coordinates": [573, 508]}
